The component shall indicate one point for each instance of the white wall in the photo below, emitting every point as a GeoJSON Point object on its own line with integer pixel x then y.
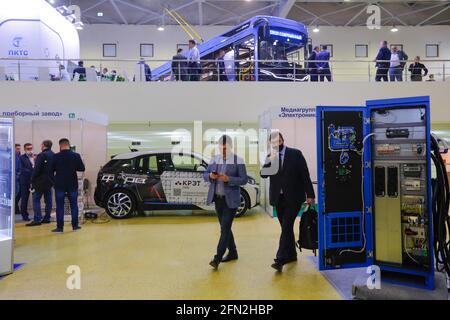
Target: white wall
{"type": "Point", "coordinates": [129, 37]}
{"type": "Point", "coordinates": [208, 101]}
{"type": "Point", "coordinates": [343, 39]}
{"type": "Point", "coordinates": [413, 39]}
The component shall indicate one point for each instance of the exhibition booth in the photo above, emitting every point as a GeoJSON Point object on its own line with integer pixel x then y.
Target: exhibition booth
{"type": "Point", "coordinates": [31, 30]}
{"type": "Point", "coordinates": [85, 129]}
{"type": "Point", "coordinates": [87, 132]}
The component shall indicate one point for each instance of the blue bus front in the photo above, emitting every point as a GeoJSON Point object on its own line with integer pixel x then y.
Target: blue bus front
{"type": "Point", "coordinates": [262, 48]}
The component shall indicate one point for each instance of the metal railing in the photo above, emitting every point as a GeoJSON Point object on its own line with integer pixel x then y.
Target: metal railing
{"type": "Point", "coordinates": [108, 70]}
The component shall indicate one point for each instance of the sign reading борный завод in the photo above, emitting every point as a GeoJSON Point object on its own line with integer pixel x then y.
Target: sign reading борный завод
{"type": "Point", "coordinates": [294, 112]}
{"type": "Point", "coordinates": [39, 115]}
{"type": "Point", "coordinates": [33, 113]}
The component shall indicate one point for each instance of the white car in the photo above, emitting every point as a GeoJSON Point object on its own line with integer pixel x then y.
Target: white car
{"type": "Point", "coordinates": [159, 180]}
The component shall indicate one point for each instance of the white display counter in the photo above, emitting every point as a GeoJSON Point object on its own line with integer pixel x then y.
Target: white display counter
{"type": "Point", "coordinates": [7, 194]}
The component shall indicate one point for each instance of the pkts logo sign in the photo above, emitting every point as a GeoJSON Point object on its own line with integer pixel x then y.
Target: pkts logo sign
{"type": "Point", "coordinates": [16, 41]}
{"type": "Point", "coordinates": [17, 51]}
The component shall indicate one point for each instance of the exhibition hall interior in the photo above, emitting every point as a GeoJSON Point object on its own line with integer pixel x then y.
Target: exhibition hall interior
{"type": "Point", "coordinates": [215, 150]}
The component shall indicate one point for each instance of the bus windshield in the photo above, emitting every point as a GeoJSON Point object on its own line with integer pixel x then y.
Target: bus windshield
{"type": "Point", "coordinates": [278, 43]}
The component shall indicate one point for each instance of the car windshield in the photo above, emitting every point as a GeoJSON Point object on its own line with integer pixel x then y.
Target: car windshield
{"type": "Point", "coordinates": [110, 164]}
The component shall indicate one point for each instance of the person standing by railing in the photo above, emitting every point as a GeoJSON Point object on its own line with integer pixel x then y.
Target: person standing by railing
{"type": "Point", "coordinates": [63, 74]}
{"type": "Point", "coordinates": [382, 62]}
{"type": "Point", "coordinates": [323, 66]}
{"type": "Point", "coordinates": [179, 66]}
{"type": "Point", "coordinates": [312, 65]}
{"type": "Point", "coordinates": [193, 61]}
{"type": "Point", "coordinates": [395, 67]}
{"type": "Point", "coordinates": [416, 70]}
{"type": "Point", "coordinates": [220, 65]}
{"type": "Point", "coordinates": [105, 74]}
{"type": "Point", "coordinates": [230, 65]}
{"type": "Point", "coordinates": [146, 68]}
{"type": "Point", "coordinates": [81, 70]}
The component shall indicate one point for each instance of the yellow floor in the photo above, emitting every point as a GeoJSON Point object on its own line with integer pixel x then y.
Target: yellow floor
{"type": "Point", "coordinates": [159, 257]}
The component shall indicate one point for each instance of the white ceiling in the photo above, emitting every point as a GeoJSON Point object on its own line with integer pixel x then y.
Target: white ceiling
{"type": "Point", "coordinates": [231, 12]}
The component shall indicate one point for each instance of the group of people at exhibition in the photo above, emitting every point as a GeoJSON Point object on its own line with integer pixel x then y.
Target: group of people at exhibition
{"type": "Point", "coordinates": [187, 66]}
{"type": "Point", "coordinates": [390, 64]}
{"type": "Point", "coordinates": [40, 174]}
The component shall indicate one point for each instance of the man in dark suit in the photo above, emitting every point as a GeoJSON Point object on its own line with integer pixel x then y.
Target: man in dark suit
{"type": "Point", "coordinates": [26, 170]}
{"type": "Point", "coordinates": [382, 62]}
{"type": "Point", "coordinates": [179, 66]}
{"type": "Point", "coordinates": [41, 183]}
{"type": "Point", "coordinates": [226, 172]}
{"type": "Point", "coordinates": [312, 65]}
{"type": "Point", "coordinates": [147, 70]}
{"type": "Point", "coordinates": [220, 65]}
{"type": "Point", "coordinates": [81, 70]}
{"type": "Point", "coordinates": [290, 186]}
{"type": "Point", "coordinates": [66, 164]}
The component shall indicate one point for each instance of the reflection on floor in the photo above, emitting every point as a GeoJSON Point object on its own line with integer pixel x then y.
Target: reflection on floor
{"type": "Point", "coordinates": [159, 257]}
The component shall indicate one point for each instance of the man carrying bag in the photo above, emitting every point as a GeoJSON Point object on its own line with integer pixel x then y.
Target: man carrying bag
{"type": "Point", "coordinates": [308, 230]}
{"type": "Point", "coordinates": [42, 183]}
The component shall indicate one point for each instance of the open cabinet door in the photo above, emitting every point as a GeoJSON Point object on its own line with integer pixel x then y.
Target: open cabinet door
{"type": "Point", "coordinates": [344, 209]}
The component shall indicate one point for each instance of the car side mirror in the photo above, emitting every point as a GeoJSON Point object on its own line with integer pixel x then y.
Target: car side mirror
{"type": "Point", "coordinates": [201, 168]}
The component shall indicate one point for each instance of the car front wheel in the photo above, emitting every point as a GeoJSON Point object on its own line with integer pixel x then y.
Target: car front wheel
{"type": "Point", "coordinates": [244, 204]}
{"type": "Point", "coordinates": [120, 204]}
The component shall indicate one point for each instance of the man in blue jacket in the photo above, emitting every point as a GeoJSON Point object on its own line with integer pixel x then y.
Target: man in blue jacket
{"type": "Point", "coordinates": [179, 66]}
{"type": "Point", "coordinates": [66, 164]}
{"type": "Point", "coordinates": [312, 65]}
{"type": "Point", "coordinates": [323, 65]}
{"type": "Point", "coordinates": [41, 184]}
{"type": "Point", "coordinates": [382, 62]}
{"type": "Point", "coordinates": [147, 70]}
{"type": "Point", "coordinates": [226, 172]}
{"type": "Point", "coordinates": [26, 170]}
{"type": "Point", "coordinates": [81, 70]}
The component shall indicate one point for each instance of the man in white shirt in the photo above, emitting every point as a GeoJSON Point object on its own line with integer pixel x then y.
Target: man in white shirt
{"type": "Point", "coordinates": [230, 68]}
{"type": "Point", "coordinates": [395, 68]}
{"type": "Point", "coordinates": [193, 61]}
{"type": "Point", "coordinates": [63, 74]}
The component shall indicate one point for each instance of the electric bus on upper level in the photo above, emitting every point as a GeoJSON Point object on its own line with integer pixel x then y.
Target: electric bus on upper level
{"type": "Point", "coordinates": [263, 48]}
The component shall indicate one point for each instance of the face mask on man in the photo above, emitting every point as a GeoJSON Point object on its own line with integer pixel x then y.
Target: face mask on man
{"type": "Point", "coordinates": [278, 148]}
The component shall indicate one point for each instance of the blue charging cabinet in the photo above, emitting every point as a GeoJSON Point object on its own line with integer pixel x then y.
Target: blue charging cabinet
{"type": "Point", "coordinates": [374, 189]}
